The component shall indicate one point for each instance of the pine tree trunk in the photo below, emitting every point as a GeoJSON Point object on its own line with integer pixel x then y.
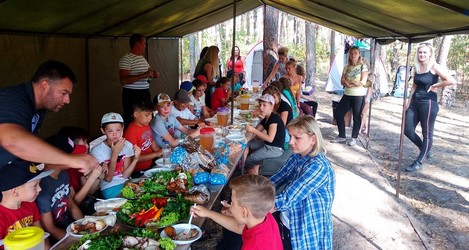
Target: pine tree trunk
{"type": "Point", "coordinates": [270, 39]}
{"type": "Point", "coordinates": [448, 94]}
{"type": "Point", "coordinates": [332, 54]}
{"type": "Point", "coordinates": [193, 54]}
{"type": "Point", "coordinates": [282, 38]}
{"type": "Point", "coordinates": [248, 27]}
{"type": "Point", "coordinates": [310, 37]}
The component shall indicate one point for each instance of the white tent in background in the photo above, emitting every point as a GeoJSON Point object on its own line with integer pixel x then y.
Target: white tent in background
{"type": "Point", "coordinates": [335, 72]}
{"type": "Point", "coordinates": [383, 78]}
{"type": "Point", "coordinates": [254, 64]}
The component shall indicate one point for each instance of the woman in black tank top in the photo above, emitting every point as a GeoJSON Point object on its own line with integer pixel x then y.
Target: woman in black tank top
{"type": "Point", "coordinates": [423, 104]}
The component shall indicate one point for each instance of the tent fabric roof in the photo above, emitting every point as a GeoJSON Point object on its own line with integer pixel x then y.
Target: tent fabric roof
{"type": "Point", "coordinates": [386, 19]}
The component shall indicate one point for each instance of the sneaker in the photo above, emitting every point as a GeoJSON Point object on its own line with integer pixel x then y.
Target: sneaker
{"type": "Point", "coordinates": [352, 142]}
{"type": "Point", "coordinates": [339, 140]}
{"type": "Point", "coordinates": [429, 154]}
{"type": "Point", "coordinates": [414, 166]}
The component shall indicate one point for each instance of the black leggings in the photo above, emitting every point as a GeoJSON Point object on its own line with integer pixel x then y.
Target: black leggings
{"type": "Point", "coordinates": [347, 102]}
{"type": "Point", "coordinates": [423, 112]}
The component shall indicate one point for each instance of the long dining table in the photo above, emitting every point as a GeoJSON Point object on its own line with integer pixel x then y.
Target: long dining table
{"type": "Point", "coordinates": [215, 191]}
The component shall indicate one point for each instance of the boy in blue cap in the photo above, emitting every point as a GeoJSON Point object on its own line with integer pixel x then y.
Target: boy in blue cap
{"type": "Point", "coordinates": [19, 186]}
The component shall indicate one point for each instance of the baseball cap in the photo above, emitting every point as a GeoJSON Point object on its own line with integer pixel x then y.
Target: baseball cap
{"type": "Point", "coordinates": [111, 117]}
{"type": "Point", "coordinates": [161, 98]}
{"type": "Point", "coordinates": [61, 142]}
{"type": "Point", "coordinates": [182, 96]}
{"type": "Point", "coordinates": [187, 85]}
{"type": "Point", "coordinates": [202, 78]}
{"type": "Point", "coordinates": [267, 98]}
{"type": "Point", "coordinates": [20, 172]}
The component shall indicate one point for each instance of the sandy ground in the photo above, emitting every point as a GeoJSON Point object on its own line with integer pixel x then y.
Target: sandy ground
{"type": "Point", "coordinates": [432, 211]}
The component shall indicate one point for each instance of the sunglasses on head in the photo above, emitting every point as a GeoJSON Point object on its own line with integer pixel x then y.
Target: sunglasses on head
{"type": "Point", "coordinates": [427, 44]}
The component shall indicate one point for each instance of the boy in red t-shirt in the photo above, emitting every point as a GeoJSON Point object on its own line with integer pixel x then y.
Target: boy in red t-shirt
{"type": "Point", "coordinates": [249, 214]}
{"type": "Point", "coordinates": [139, 133]}
{"type": "Point", "coordinates": [19, 186]}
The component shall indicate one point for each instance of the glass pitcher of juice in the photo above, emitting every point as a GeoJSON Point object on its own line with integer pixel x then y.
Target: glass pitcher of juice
{"type": "Point", "coordinates": [222, 116]}
{"type": "Point", "coordinates": [244, 101]}
{"type": "Point", "coordinates": [207, 138]}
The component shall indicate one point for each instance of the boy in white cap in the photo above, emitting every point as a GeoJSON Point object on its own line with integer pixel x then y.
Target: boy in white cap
{"type": "Point", "coordinates": [116, 153]}
{"type": "Point", "coordinates": [165, 124]}
{"type": "Point", "coordinates": [270, 136]}
{"type": "Point", "coordinates": [19, 186]}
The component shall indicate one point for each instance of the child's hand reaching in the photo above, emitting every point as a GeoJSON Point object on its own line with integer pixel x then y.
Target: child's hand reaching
{"type": "Point", "coordinates": [250, 128]}
{"type": "Point", "coordinates": [226, 208]}
{"type": "Point", "coordinates": [200, 211]}
{"type": "Point", "coordinates": [137, 152]}
{"type": "Point", "coordinates": [95, 173]}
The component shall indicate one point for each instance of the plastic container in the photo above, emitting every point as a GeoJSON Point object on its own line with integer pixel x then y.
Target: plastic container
{"type": "Point", "coordinates": [166, 154]}
{"type": "Point", "coordinates": [25, 238]}
{"type": "Point", "coordinates": [244, 102]}
{"type": "Point", "coordinates": [222, 116]}
{"type": "Point", "coordinates": [207, 138]}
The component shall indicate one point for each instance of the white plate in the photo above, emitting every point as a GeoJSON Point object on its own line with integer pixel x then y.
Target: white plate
{"type": "Point", "coordinates": [160, 163]}
{"type": "Point", "coordinates": [244, 112]}
{"type": "Point", "coordinates": [69, 228]}
{"type": "Point", "coordinates": [179, 229]}
{"type": "Point", "coordinates": [150, 172]}
{"type": "Point", "coordinates": [235, 137]}
{"type": "Point", "coordinates": [109, 205]}
{"type": "Point", "coordinates": [211, 119]}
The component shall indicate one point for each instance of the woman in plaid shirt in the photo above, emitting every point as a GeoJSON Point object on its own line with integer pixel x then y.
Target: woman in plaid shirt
{"type": "Point", "coordinates": [305, 204]}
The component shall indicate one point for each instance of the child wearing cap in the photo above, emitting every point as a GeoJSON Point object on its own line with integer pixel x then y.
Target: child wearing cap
{"type": "Point", "coordinates": [116, 153]}
{"type": "Point", "coordinates": [270, 136]}
{"type": "Point", "coordinates": [222, 93]}
{"type": "Point", "coordinates": [165, 124]}
{"type": "Point", "coordinates": [139, 133]}
{"type": "Point", "coordinates": [252, 198]}
{"type": "Point", "coordinates": [19, 186]}
{"type": "Point", "coordinates": [182, 113]}
{"type": "Point", "coordinates": [197, 104]}
{"type": "Point", "coordinates": [55, 201]}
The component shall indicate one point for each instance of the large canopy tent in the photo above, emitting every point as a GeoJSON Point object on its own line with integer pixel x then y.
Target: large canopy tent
{"type": "Point", "coordinates": [91, 36]}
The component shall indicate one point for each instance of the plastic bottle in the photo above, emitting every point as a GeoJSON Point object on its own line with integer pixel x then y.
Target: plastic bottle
{"type": "Point", "coordinates": [166, 153]}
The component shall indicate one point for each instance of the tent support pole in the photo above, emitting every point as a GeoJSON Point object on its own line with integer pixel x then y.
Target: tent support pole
{"type": "Point", "coordinates": [372, 66]}
{"type": "Point", "coordinates": [232, 56]}
{"type": "Point", "coordinates": [404, 109]}
{"type": "Point", "coordinates": [181, 71]}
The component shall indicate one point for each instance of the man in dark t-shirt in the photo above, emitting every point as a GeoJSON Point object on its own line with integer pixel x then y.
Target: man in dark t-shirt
{"type": "Point", "coordinates": [22, 110]}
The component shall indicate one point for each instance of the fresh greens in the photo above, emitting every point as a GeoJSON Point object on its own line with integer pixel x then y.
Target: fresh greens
{"type": "Point", "coordinates": [114, 241]}
{"type": "Point", "coordinates": [128, 193]}
{"type": "Point", "coordinates": [168, 219]}
{"type": "Point", "coordinates": [176, 209]}
{"type": "Point", "coordinates": [167, 244]}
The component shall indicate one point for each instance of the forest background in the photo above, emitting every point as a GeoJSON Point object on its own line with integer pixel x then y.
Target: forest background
{"type": "Point", "coordinates": [315, 46]}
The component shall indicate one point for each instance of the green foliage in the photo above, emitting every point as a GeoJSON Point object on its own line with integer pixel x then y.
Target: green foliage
{"type": "Point", "coordinates": [458, 60]}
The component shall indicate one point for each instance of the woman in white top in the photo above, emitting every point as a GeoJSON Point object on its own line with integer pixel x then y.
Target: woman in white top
{"type": "Point", "coordinates": [354, 79]}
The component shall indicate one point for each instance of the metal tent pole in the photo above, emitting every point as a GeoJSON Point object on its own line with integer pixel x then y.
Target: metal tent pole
{"type": "Point", "coordinates": [372, 66]}
{"type": "Point", "coordinates": [232, 56]}
{"type": "Point", "coordinates": [404, 109]}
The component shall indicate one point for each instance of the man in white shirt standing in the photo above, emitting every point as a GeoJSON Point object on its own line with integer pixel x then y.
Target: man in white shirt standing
{"type": "Point", "coordinates": [135, 75]}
